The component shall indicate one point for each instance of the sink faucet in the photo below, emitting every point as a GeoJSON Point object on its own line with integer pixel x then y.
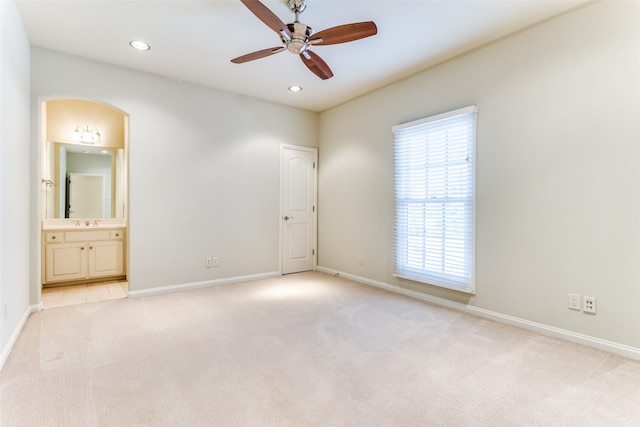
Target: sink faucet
{"type": "Point", "coordinates": [95, 222]}
{"type": "Point", "coordinates": [86, 222]}
{"type": "Point", "coordinates": [77, 223]}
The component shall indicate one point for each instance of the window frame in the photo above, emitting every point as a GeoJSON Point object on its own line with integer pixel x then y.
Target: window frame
{"type": "Point", "coordinates": [461, 241]}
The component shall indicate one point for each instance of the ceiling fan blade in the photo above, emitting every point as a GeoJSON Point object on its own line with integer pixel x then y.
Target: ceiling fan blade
{"type": "Point", "coordinates": [266, 16]}
{"type": "Point", "coordinates": [344, 33]}
{"type": "Point", "coordinates": [257, 55]}
{"type": "Point", "coordinates": [316, 65]}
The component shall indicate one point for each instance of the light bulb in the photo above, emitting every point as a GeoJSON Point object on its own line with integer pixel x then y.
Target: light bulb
{"type": "Point", "coordinates": [77, 135]}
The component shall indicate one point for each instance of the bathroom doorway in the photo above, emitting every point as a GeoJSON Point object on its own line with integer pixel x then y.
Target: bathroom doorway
{"type": "Point", "coordinates": [84, 201]}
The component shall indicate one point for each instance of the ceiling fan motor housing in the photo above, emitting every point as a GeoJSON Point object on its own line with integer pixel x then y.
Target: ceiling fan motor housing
{"type": "Point", "coordinates": [300, 34]}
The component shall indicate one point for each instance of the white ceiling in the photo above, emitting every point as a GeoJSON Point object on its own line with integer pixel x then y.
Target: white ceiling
{"type": "Point", "coordinates": [194, 41]}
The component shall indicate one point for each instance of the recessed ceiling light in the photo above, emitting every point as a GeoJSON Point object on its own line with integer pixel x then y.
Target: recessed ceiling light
{"type": "Point", "coordinates": [295, 88]}
{"type": "Point", "coordinates": [139, 45]}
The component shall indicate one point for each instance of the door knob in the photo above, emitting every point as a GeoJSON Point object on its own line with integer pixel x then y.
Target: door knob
{"type": "Point", "coordinates": [287, 218]}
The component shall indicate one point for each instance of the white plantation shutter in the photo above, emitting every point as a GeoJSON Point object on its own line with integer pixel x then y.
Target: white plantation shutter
{"type": "Point", "coordinates": [435, 199]}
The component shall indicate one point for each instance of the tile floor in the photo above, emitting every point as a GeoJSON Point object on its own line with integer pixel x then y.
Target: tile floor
{"type": "Point", "coordinates": [78, 294]}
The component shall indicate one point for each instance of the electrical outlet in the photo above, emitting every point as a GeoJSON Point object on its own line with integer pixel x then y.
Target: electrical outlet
{"type": "Point", "coordinates": [215, 261]}
{"type": "Point", "coordinates": [589, 304]}
{"type": "Point", "coordinates": [208, 262]}
{"type": "Point", "coordinates": [574, 302]}
{"type": "Point", "coordinates": [361, 259]}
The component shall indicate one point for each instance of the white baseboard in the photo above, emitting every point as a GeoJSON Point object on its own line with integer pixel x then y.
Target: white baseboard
{"type": "Point", "coordinates": [551, 331]}
{"type": "Point", "coordinates": [203, 284]}
{"type": "Point", "coordinates": [6, 351]}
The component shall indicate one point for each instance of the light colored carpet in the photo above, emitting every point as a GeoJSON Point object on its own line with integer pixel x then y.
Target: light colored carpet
{"type": "Point", "coordinates": [303, 350]}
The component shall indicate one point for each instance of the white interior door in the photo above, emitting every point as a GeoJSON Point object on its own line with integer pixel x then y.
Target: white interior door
{"type": "Point", "coordinates": [298, 208]}
{"type": "Point", "coordinates": [86, 195]}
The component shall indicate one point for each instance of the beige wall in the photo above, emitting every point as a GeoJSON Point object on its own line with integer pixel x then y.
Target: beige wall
{"type": "Point", "coordinates": [558, 205]}
{"type": "Point", "coordinates": [204, 168]}
{"type": "Point", "coordinates": [16, 186]}
{"type": "Point", "coordinates": [64, 115]}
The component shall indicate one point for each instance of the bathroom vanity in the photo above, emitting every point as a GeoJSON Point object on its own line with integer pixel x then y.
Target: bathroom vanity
{"type": "Point", "coordinates": [82, 252]}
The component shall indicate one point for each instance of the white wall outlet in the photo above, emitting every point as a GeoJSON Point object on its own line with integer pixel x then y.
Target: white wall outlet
{"type": "Point", "coordinates": [208, 262]}
{"type": "Point", "coordinates": [5, 309]}
{"type": "Point", "coordinates": [361, 259]}
{"type": "Point", "coordinates": [589, 304]}
{"type": "Point", "coordinates": [216, 261]}
{"type": "Point", "coordinates": [574, 302]}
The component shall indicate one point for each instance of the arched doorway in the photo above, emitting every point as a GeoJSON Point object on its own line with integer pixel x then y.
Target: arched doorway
{"type": "Point", "coordinates": [83, 201]}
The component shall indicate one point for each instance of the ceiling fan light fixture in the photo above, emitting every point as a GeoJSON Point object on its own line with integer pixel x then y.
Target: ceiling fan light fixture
{"type": "Point", "coordinates": [295, 88]}
{"type": "Point", "coordinates": [296, 46]}
{"type": "Point", "coordinates": [139, 45]}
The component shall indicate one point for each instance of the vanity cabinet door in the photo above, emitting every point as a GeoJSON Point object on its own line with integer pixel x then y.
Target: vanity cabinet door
{"type": "Point", "coordinates": [106, 258]}
{"type": "Point", "coordinates": [66, 261]}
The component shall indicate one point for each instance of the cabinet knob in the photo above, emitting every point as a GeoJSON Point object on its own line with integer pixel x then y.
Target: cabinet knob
{"type": "Point", "coordinates": [82, 248]}
{"type": "Point", "coordinates": [53, 237]}
{"type": "Point", "coordinates": [90, 247]}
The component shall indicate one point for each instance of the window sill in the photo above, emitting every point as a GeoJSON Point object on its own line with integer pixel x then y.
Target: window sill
{"type": "Point", "coordinates": [469, 290]}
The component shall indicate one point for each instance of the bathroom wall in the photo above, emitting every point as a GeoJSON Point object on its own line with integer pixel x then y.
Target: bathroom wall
{"type": "Point", "coordinates": [64, 115]}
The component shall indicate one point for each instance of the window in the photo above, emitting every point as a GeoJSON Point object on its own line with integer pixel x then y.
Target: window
{"type": "Point", "coordinates": [435, 199]}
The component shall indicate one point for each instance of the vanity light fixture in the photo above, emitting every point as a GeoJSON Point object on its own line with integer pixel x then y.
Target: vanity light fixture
{"type": "Point", "coordinates": [295, 88]}
{"type": "Point", "coordinates": [139, 45]}
{"type": "Point", "coordinates": [86, 135]}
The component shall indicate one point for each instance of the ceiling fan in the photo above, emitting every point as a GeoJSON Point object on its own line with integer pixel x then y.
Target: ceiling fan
{"type": "Point", "coordinates": [298, 37]}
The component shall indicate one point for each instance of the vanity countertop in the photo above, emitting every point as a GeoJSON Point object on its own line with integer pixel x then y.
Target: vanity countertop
{"type": "Point", "coordinates": [81, 227]}
{"type": "Point", "coordinates": [70, 225]}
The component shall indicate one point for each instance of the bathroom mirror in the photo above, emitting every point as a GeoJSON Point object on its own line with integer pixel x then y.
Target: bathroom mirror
{"type": "Point", "coordinates": [88, 181]}
{"type": "Point", "coordinates": [83, 178]}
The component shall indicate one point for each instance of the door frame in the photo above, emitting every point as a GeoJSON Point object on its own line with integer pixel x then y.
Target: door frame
{"type": "Point", "coordinates": [314, 233]}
